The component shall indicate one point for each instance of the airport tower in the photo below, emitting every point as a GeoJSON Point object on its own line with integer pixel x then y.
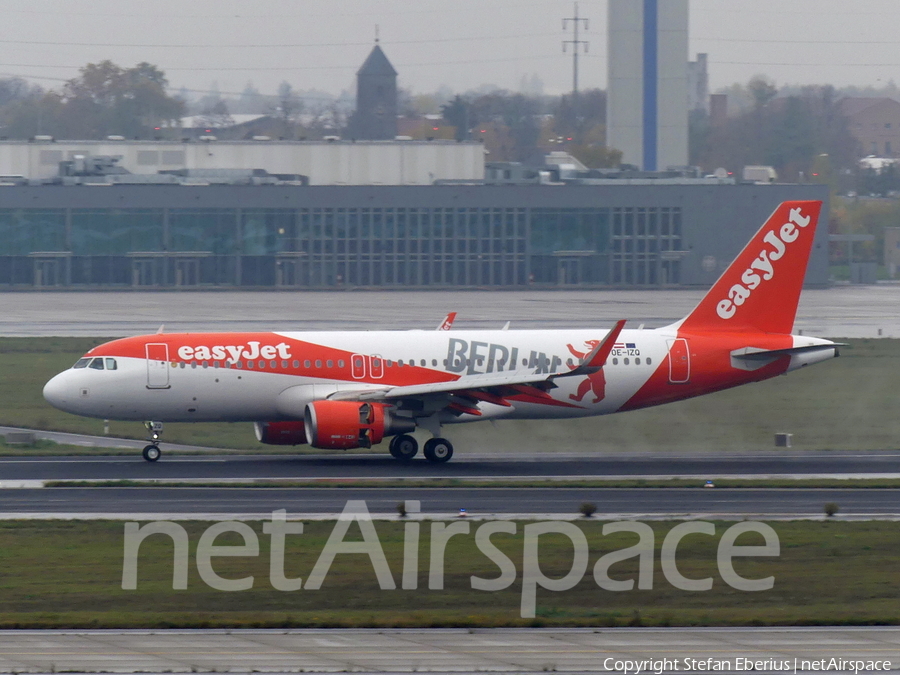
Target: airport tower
{"type": "Point", "coordinates": [647, 98]}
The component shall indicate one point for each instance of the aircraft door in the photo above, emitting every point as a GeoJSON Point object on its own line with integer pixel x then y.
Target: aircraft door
{"type": "Point", "coordinates": [376, 367]}
{"type": "Point", "coordinates": [679, 361]}
{"type": "Point", "coordinates": [358, 366]}
{"type": "Point", "coordinates": [157, 365]}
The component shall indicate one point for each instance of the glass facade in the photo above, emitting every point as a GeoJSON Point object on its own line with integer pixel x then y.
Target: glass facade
{"type": "Point", "coordinates": [339, 246]}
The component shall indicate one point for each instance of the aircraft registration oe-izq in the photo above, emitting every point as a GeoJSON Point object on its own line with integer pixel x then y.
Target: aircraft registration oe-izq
{"type": "Point", "coordinates": [343, 390]}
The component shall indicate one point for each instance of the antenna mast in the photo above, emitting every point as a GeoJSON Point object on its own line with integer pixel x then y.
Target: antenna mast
{"type": "Point", "coordinates": [576, 46]}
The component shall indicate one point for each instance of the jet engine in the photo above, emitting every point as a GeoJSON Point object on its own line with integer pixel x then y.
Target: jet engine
{"type": "Point", "coordinates": [342, 425]}
{"type": "Point", "coordinates": [280, 433]}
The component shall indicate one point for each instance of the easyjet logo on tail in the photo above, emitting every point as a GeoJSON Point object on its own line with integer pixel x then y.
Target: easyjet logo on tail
{"type": "Point", "coordinates": [762, 268]}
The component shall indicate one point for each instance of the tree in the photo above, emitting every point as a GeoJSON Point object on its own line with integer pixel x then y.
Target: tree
{"type": "Point", "coordinates": [289, 104]}
{"type": "Point", "coordinates": [216, 116]}
{"type": "Point", "coordinates": [107, 99]}
{"type": "Point", "coordinates": [762, 92]}
{"type": "Point", "coordinates": [250, 101]}
{"type": "Point", "coordinates": [790, 132]}
{"type": "Point", "coordinates": [458, 113]}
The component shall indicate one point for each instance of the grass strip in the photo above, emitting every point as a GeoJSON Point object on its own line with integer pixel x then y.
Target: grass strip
{"type": "Point", "coordinates": [68, 574]}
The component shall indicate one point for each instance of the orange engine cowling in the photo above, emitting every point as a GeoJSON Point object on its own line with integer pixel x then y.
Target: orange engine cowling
{"type": "Point", "coordinates": [280, 433]}
{"type": "Point", "coordinates": [342, 425]}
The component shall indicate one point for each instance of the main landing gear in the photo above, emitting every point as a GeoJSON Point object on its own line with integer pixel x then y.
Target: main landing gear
{"type": "Point", "coordinates": [404, 447]}
{"type": "Point", "coordinates": [438, 450]}
{"type": "Point", "coordinates": [154, 431]}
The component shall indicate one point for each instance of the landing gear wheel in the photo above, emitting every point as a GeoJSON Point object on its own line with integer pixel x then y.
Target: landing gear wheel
{"type": "Point", "coordinates": [152, 453]}
{"type": "Point", "coordinates": [404, 447]}
{"type": "Point", "coordinates": [438, 450]}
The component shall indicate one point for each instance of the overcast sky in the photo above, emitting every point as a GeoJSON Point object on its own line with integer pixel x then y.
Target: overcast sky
{"type": "Point", "coordinates": [458, 43]}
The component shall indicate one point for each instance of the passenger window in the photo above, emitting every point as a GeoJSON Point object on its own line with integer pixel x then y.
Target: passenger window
{"type": "Point", "coordinates": [625, 361]}
{"type": "Point", "coordinates": [390, 364]}
{"type": "Point", "coordinates": [400, 363]}
{"type": "Point", "coordinates": [569, 362]}
{"type": "Point", "coordinates": [637, 361]}
{"type": "Point", "coordinates": [434, 363]}
{"type": "Point", "coordinates": [240, 364]}
{"type": "Point", "coordinates": [96, 364]}
{"type": "Point", "coordinates": [284, 364]}
{"type": "Point", "coordinates": [615, 362]}
{"type": "Point", "coordinates": [423, 363]}
{"type": "Point", "coordinates": [296, 364]}
{"type": "Point", "coordinates": [648, 361]}
{"type": "Point", "coordinates": [307, 364]}
{"type": "Point", "coordinates": [329, 363]}
{"type": "Point", "coordinates": [341, 363]}
{"type": "Point", "coordinates": [318, 363]}
{"type": "Point", "coordinates": [250, 364]}
{"type": "Point", "coordinates": [262, 365]}
{"type": "Point", "coordinates": [81, 363]}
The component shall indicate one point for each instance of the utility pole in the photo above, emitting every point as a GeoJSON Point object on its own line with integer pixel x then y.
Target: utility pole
{"type": "Point", "coordinates": [576, 46]}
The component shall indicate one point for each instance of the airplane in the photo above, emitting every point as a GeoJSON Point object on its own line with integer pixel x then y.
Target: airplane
{"type": "Point", "coordinates": [353, 389]}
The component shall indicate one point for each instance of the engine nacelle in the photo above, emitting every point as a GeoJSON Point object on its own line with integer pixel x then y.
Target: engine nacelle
{"type": "Point", "coordinates": [280, 433]}
{"type": "Point", "coordinates": [342, 425]}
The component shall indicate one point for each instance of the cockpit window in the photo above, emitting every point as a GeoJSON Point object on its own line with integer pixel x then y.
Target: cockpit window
{"type": "Point", "coordinates": [96, 364]}
{"type": "Point", "coordinates": [111, 364]}
{"type": "Point", "coordinates": [81, 363]}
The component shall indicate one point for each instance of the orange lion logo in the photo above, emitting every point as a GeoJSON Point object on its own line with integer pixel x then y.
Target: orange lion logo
{"type": "Point", "coordinates": [595, 382]}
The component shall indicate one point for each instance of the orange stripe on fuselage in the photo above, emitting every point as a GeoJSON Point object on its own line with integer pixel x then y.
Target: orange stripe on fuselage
{"type": "Point", "coordinates": [295, 350]}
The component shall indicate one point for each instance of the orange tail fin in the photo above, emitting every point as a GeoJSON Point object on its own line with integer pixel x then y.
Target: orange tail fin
{"type": "Point", "coordinates": [760, 290]}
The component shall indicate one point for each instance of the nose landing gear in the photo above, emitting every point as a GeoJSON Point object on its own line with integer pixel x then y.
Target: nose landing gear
{"type": "Point", "coordinates": [154, 430]}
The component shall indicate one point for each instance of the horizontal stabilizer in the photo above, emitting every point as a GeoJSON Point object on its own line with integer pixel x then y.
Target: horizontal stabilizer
{"type": "Point", "coordinates": [753, 358]}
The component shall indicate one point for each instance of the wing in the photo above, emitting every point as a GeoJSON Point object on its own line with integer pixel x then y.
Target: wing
{"type": "Point", "coordinates": [462, 396]}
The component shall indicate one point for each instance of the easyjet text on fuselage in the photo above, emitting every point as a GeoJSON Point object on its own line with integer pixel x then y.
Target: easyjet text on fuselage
{"type": "Point", "coordinates": [253, 349]}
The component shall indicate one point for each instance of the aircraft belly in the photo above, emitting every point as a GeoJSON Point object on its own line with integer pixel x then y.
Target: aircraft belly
{"type": "Point", "coordinates": [209, 395]}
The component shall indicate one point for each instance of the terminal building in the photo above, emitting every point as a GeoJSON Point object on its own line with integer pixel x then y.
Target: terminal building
{"type": "Point", "coordinates": [603, 233]}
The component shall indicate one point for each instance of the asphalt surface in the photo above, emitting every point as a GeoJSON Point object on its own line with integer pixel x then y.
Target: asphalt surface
{"type": "Point", "coordinates": [498, 650]}
{"type": "Point", "coordinates": [337, 466]}
{"type": "Point", "coordinates": [442, 502]}
{"type": "Point", "coordinates": [841, 311]}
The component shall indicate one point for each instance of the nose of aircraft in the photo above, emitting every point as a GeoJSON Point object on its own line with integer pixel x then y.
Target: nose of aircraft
{"type": "Point", "coordinates": [58, 392]}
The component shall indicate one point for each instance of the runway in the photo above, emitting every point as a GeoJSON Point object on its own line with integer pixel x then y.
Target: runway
{"type": "Point", "coordinates": [211, 467]}
{"type": "Point", "coordinates": [501, 650]}
{"type": "Point", "coordinates": [841, 311]}
{"type": "Point", "coordinates": [139, 503]}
